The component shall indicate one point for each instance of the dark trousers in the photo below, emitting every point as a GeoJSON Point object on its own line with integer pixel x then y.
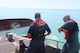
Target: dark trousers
{"type": "Point", "coordinates": [36, 47]}
{"type": "Point", "coordinates": [70, 48]}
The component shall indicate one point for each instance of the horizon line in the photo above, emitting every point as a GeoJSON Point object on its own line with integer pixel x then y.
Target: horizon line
{"type": "Point", "coordinates": [38, 8]}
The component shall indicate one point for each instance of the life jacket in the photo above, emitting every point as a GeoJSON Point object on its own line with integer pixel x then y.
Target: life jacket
{"type": "Point", "coordinates": [39, 22]}
{"type": "Point", "coordinates": [40, 26]}
{"type": "Point", "coordinates": [66, 32]}
{"type": "Point", "coordinates": [71, 20]}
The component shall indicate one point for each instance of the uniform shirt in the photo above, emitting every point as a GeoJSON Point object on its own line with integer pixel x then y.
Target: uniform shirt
{"type": "Point", "coordinates": [37, 32]}
{"type": "Point", "coordinates": [72, 27]}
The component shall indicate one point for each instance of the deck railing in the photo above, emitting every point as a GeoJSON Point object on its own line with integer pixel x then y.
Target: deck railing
{"type": "Point", "coordinates": [57, 42]}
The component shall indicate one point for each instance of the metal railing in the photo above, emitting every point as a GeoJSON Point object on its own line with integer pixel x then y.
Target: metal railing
{"type": "Point", "coordinates": [57, 42]}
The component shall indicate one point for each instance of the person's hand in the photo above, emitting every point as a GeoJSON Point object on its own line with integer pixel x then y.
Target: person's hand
{"type": "Point", "coordinates": [47, 33]}
{"type": "Point", "coordinates": [60, 29]}
{"type": "Point", "coordinates": [29, 35]}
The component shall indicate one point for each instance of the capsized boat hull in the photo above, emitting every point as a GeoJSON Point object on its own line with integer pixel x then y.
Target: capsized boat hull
{"type": "Point", "coordinates": [14, 25]}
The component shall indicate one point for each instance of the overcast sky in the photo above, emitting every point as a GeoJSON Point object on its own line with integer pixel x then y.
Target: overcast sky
{"type": "Point", "coordinates": [49, 4]}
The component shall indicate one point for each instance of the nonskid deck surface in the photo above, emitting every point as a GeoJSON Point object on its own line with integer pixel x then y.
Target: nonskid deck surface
{"type": "Point", "coordinates": [10, 47]}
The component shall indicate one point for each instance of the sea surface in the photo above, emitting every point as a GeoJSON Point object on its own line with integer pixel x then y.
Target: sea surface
{"type": "Point", "coordinates": [53, 17]}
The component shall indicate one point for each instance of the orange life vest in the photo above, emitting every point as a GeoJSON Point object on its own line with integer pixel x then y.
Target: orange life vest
{"type": "Point", "coordinates": [66, 33]}
{"type": "Point", "coordinates": [39, 22]}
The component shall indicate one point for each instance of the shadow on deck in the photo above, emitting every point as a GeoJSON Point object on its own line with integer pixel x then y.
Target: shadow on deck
{"type": "Point", "coordinates": [49, 49]}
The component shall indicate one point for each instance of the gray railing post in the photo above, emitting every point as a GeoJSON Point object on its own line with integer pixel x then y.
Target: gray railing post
{"type": "Point", "coordinates": [57, 44]}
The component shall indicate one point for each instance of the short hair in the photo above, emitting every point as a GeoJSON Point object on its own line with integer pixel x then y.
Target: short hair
{"type": "Point", "coordinates": [67, 17]}
{"type": "Point", "coordinates": [37, 15]}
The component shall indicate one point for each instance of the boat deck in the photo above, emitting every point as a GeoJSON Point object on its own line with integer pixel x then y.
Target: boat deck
{"type": "Point", "coordinates": [10, 47]}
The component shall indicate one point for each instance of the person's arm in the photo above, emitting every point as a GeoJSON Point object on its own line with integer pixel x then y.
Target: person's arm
{"type": "Point", "coordinates": [63, 27]}
{"type": "Point", "coordinates": [29, 35]}
{"type": "Point", "coordinates": [60, 29]}
{"type": "Point", "coordinates": [67, 26]}
{"type": "Point", "coordinates": [48, 31]}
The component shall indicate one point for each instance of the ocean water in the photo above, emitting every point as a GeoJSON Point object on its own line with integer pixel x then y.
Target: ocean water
{"type": "Point", "coordinates": [53, 17]}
